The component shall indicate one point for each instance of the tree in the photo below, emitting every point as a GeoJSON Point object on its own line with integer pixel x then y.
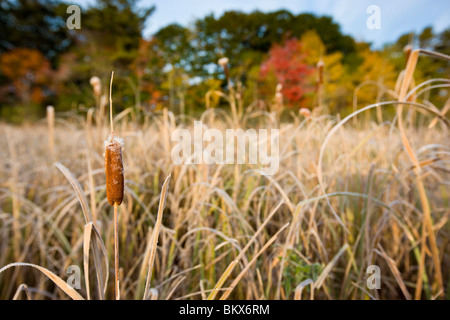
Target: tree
{"type": "Point", "coordinates": [175, 43]}
{"type": "Point", "coordinates": [245, 38]}
{"type": "Point", "coordinates": [110, 37]}
{"type": "Point", "coordinates": [146, 70]}
{"type": "Point", "coordinates": [443, 42]}
{"type": "Point", "coordinates": [28, 72]}
{"type": "Point", "coordinates": [375, 74]}
{"type": "Point", "coordinates": [337, 84]}
{"type": "Point", "coordinates": [286, 64]}
{"type": "Point", "coordinates": [34, 24]}
{"type": "Point", "coordinates": [426, 38]}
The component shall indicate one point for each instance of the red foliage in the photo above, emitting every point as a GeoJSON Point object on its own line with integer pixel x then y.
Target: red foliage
{"type": "Point", "coordinates": [286, 63]}
{"type": "Point", "coordinates": [28, 72]}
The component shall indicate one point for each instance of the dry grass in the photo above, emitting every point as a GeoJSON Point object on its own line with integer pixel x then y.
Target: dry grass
{"type": "Point", "coordinates": [347, 195]}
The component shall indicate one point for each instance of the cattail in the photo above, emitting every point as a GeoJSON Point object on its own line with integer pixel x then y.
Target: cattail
{"type": "Point", "coordinates": [113, 162]}
{"type": "Point", "coordinates": [278, 97]}
{"type": "Point", "coordinates": [114, 170]}
{"type": "Point", "coordinates": [278, 94]}
{"type": "Point", "coordinates": [223, 62]}
{"type": "Point", "coordinates": [320, 66]}
{"type": "Point", "coordinates": [96, 85]}
{"type": "Point", "coordinates": [114, 184]}
{"type": "Point", "coordinates": [51, 129]}
{"type": "Point", "coordinates": [305, 112]}
{"type": "Point", "coordinates": [279, 87]}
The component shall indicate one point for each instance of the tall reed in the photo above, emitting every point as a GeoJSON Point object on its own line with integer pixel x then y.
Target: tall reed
{"type": "Point", "coordinates": [51, 130]}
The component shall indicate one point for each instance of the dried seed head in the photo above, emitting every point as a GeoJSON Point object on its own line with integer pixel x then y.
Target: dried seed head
{"type": "Point", "coordinates": [279, 87]}
{"type": "Point", "coordinates": [94, 81]}
{"type": "Point", "coordinates": [223, 62]}
{"type": "Point", "coordinates": [96, 85]}
{"type": "Point", "coordinates": [114, 170]}
{"type": "Point", "coordinates": [320, 64]}
{"type": "Point", "coordinates": [305, 112]}
{"type": "Point", "coordinates": [279, 97]}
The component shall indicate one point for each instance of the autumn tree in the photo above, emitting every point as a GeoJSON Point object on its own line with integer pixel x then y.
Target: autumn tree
{"type": "Point", "coordinates": [34, 24]}
{"type": "Point", "coordinates": [111, 33]}
{"type": "Point", "coordinates": [28, 73]}
{"type": "Point", "coordinates": [337, 85]}
{"type": "Point", "coordinates": [286, 65]}
{"type": "Point", "coordinates": [146, 74]}
{"type": "Point", "coordinates": [427, 67]}
{"type": "Point", "coordinates": [110, 39]}
{"type": "Point", "coordinates": [245, 38]}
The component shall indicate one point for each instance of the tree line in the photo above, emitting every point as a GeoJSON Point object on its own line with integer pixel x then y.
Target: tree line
{"type": "Point", "coordinates": [43, 62]}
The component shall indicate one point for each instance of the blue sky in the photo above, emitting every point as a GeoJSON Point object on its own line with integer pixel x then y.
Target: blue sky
{"type": "Point", "coordinates": [397, 16]}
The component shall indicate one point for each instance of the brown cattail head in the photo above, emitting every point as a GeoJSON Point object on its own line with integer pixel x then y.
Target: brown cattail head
{"type": "Point", "coordinates": [114, 170]}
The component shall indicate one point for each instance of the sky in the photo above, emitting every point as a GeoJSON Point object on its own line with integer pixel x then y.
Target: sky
{"type": "Point", "coordinates": [397, 17]}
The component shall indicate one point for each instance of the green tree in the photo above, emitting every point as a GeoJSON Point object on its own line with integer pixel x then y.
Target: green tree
{"type": "Point", "coordinates": [245, 38]}
{"type": "Point", "coordinates": [34, 24]}
{"type": "Point", "coordinates": [175, 43]}
{"type": "Point", "coordinates": [426, 38]}
{"type": "Point", "coordinates": [110, 35]}
{"type": "Point", "coordinates": [109, 39]}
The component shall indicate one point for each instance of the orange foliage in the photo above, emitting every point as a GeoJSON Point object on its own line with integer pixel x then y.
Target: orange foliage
{"type": "Point", "coordinates": [28, 71]}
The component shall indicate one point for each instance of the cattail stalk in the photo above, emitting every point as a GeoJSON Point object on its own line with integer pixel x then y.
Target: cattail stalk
{"type": "Point", "coordinates": [51, 130]}
{"type": "Point", "coordinates": [110, 105]}
{"type": "Point", "coordinates": [223, 62]}
{"type": "Point", "coordinates": [320, 66]}
{"type": "Point", "coordinates": [114, 185]}
{"type": "Point", "coordinates": [96, 84]}
{"type": "Point", "coordinates": [116, 252]}
{"type": "Point", "coordinates": [14, 194]}
{"type": "Point", "coordinates": [278, 99]}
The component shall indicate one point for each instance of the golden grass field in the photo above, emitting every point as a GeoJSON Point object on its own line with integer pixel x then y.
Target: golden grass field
{"type": "Point", "coordinates": [349, 193]}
